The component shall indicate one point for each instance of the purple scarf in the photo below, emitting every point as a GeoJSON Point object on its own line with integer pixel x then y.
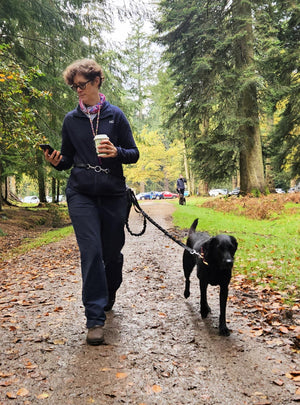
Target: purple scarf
{"type": "Point", "coordinates": [94, 108]}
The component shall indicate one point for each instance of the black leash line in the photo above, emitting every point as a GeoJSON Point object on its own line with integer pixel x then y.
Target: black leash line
{"type": "Point", "coordinates": [133, 201]}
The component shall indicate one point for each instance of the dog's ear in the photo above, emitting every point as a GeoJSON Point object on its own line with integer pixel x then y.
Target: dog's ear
{"type": "Point", "coordinates": [234, 242]}
{"type": "Point", "coordinates": [208, 246]}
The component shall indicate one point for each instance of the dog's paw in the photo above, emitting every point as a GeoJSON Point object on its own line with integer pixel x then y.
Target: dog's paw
{"type": "Point", "coordinates": [224, 331]}
{"type": "Point", "coordinates": [204, 311]}
{"type": "Point", "coordinates": [186, 293]}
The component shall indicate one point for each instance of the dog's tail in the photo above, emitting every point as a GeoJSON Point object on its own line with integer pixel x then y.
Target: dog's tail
{"type": "Point", "coordinates": [193, 227]}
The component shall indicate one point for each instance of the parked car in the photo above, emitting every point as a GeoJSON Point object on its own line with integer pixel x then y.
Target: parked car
{"type": "Point", "coordinates": [279, 191]}
{"type": "Point", "coordinates": [31, 199]}
{"type": "Point", "coordinates": [157, 195]}
{"type": "Point", "coordinates": [294, 189]}
{"type": "Point", "coordinates": [143, 196]}
{"type": "Point", "coordinates": [168, 194]}
{"type": "Point", "coordinates": [214, 192]}
{"type": "Point", "coordinates": [186, 193]}
{"type": "Point", "coordinates": [235, 191]}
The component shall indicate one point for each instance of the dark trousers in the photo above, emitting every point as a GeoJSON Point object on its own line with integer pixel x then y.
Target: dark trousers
{"type": "Point", "coordinates": [99, 228]}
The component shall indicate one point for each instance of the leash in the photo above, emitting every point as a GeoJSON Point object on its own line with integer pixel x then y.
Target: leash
{"type": "Point", "coordinates": [133, 201]}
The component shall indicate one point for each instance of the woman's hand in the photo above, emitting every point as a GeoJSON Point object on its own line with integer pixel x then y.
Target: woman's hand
{"type": "Point", "coordinates": [54, 158]}
{"type": "Point", "coordinates": [107, 148]}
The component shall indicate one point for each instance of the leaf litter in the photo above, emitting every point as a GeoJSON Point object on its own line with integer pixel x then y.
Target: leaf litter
{"type": "Point", "coordinates": [158, 349]}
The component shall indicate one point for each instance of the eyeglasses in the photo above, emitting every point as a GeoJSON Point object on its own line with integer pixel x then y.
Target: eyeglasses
{"type": "Point", "coordinates": [81, 86]}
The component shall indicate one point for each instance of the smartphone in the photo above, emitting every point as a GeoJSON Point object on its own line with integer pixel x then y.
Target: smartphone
{"type": "Point", "coordinates": [45, 146]}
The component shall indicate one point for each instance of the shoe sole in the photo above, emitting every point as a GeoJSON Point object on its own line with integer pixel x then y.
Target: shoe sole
{"type": "Point", "coordinates": [95, 342]}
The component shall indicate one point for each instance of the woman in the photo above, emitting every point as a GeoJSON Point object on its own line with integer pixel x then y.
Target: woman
{"type": "Point", "coordinates": [96, 190]}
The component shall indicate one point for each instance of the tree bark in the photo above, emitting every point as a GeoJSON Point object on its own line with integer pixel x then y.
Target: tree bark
{"type": "Point", "coordinates": [251, 161]}
{"type": "Point", "coordinates": [41, 177]}
{"type": "Point", "coordinates": [0, 187]}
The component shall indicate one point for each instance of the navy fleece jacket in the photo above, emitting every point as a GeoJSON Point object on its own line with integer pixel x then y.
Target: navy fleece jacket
{"type": "Point", "coordinates": [78, 147]}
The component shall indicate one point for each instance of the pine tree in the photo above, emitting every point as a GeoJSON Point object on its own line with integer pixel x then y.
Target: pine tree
{"type": "Point", "coordinates": [215, 54]}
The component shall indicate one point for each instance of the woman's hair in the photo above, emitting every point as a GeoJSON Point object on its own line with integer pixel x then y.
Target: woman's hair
{"type": "Point", "coordinates": [86, 67]}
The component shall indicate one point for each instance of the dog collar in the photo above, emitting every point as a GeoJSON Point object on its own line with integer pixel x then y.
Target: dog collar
{"type": "Point", "coordinates": [203, 257]}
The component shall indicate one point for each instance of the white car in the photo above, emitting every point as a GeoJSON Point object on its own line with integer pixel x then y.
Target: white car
{"type": "Point", "coordinates": [214, 192]}
{"type": "Point", "coordinates": [31, 199]}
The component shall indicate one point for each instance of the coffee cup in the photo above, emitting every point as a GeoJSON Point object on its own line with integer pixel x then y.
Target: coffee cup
{"type": "Point", "coordinates": [98, 139]}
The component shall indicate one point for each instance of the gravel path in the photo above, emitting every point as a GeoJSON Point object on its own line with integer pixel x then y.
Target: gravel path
{"type": "Point", "coordinates": [158, 349]}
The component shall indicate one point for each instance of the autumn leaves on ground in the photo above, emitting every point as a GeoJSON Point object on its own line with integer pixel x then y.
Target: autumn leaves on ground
{"type": "Point", "coordinates": [158, 349]}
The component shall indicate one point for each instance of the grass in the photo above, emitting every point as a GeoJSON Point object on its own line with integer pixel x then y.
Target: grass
{"type": "Point", "coordinates": [43, 239]}
{"type": "Point", "coordinates": [269, 249]}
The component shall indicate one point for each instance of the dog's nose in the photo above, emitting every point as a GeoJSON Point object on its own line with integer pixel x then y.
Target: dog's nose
{"type": "Point", "coordinates": [228, 262]}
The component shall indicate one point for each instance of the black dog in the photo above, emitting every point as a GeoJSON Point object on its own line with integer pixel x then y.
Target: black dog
{"type": "Point", "coordinates": [213, 267]}
{"type": "Point", "coordinates": [182, 200]}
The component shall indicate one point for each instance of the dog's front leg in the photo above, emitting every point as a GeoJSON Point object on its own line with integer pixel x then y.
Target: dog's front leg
{"type": "Point", "coordinates": [223, 330]}
{"type": "Point", "coordinates": [204, 307]}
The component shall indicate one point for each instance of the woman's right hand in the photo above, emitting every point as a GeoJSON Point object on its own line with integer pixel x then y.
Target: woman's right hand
{"type": "Point", "coordinates": [54, 158]}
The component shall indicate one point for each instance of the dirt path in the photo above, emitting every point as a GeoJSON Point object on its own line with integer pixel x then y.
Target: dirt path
{"type": "Point", "coordinates": [158, 349]}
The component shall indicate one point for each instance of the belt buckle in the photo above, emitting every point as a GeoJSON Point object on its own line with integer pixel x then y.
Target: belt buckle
{"type": "Point", "coordinates": [97, 169]}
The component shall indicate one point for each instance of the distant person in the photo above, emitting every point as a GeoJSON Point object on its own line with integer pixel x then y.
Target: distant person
{"type": "Point", "coordinates": [96, 190]}
{"type": "Point", "coordinates": [180, 186]}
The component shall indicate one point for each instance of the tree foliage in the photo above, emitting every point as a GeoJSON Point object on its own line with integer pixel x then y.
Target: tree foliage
{"type": "Point", "coordinates": [157, 162]}
{"type": "Point", "coordinates": [18, 131]}
{"type": "Point", "coordinates": [279, 59]}
{"type": "Point", "coordinates": [216, 51]}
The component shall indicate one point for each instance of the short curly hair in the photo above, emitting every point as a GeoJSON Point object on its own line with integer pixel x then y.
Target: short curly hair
{"type": "Point", "coordinates": [86, 67]}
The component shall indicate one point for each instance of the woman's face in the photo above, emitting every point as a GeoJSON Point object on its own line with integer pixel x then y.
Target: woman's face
{"type": "Point", "coordinates": [89, 93]}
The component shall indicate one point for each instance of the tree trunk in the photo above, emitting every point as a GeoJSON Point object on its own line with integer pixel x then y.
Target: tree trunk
{"type": "Point", "coordinates": [187, 168]}
{"type": "Point", "coordinates": [57, 191]}
{"type": "Point", "coordinates": [41, 177]}
{"type": "Point", "coordinates": [53, 188]}
{"type": "Point", "coordinates": [1, 187]}
{"type": "Point", "coordinates": [251, 161]}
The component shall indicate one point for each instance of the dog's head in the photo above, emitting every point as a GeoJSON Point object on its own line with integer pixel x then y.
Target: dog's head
{"type": "Point", "coordinates": [220, 250]}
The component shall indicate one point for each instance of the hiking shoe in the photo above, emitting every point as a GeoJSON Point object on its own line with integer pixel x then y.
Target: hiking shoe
{"type": "Point", "coordinates": [95, 335]}
{"type": "Point", "coordinates": [110, 303]}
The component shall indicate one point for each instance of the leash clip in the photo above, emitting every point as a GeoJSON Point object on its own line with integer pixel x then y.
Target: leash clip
{"type": "Point", "coordinates": [200, 255]}
{"type": "Point", "coordinates": [194, 252]}
{"type": "Point", "coordinates": [97, 169]}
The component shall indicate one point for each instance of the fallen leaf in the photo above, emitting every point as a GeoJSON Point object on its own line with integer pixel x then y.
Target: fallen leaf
{"type": "Point", "coordinates": [278, 382]}
{"type": "Point", "coordinates": [44, 395]}
{"type": "Point", "coordinates": [30, 366]}
{"type": "Point", "coordinates": [5, 375]}
{"type": "Point", "coordinates": [257, 332]}
{"type": "Point", "coordinates": [59, 342]}
{"type": "Point", "coordinates": [283, 329]}
{"type": "Point", "coordinates": [121, 375]}
{"type": "Point", "coordinates": [11, 395]}
{"type": "Point", "coordinates": [156, 388]}
{"type": "Point", "coordinates": [23, 392]}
